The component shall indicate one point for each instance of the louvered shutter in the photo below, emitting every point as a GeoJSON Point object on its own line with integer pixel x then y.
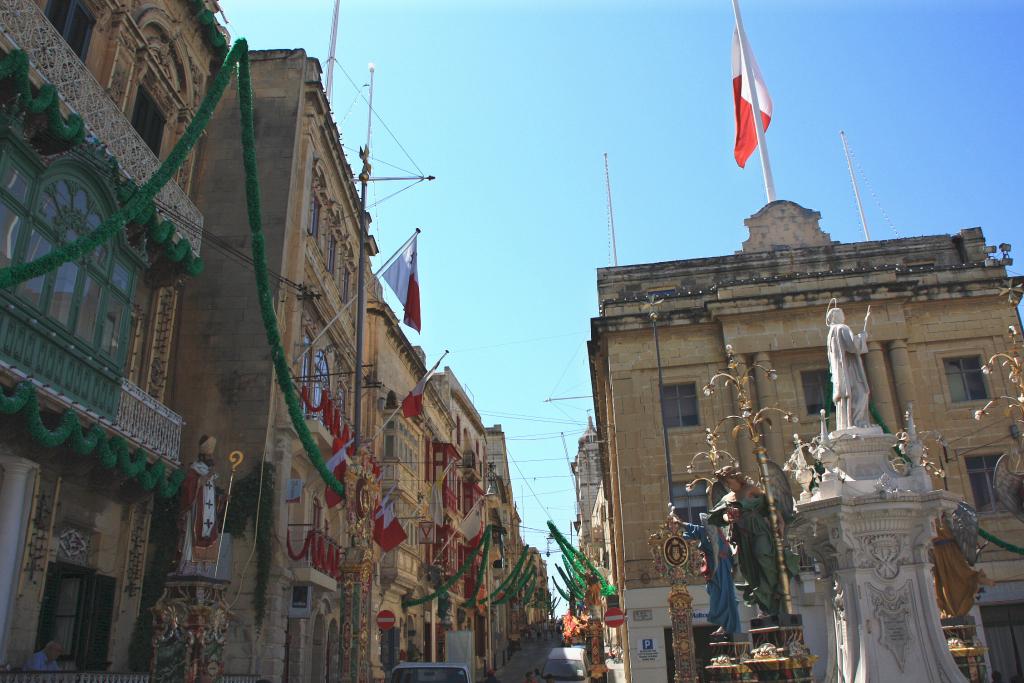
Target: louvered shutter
{"type": "Point", "coordinates": [48, 607]}
{"type": "Point", "coordinates": [100, 617]}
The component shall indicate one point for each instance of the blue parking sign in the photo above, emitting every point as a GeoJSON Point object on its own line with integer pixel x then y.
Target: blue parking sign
{"type": "Point", "coordinates": [647, 644]}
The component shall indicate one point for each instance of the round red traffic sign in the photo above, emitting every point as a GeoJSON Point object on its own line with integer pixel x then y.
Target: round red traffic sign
{"type": "Point", "coordinates": [614, 617]}
{"type": "Point", "coordinates": [385, 620]}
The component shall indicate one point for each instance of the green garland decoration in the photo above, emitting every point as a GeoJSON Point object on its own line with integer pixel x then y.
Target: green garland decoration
{"type": "Point", "coordinates": [565, 596]}
{"type": "Point", "coordinates": [578, 560]}
{"type": "Point", "coordinates": [574, 582]}
{"type": "Point", "coordinates": [243, 509]}
{"type": "Point", "coordinates": [530, 590]}
{"type": "Point", "coordinates": [505, 583]}
{"type": "Point", "coordinates": [16, 66]}
{"type": "Point", "coordinates": [139, 207]}
{"type": "Point", "coordinates": [163, 526]}
{"type": "Point", "coordinates": [112, 452]}
{"type": "Point", "coordinates": [517, 588]}
{"type": "Point", "coordinates": [1005, 545]}
{"type": "Point", "coordinates": [466, 564]}
{"type": "Point", "coordinates": [573, 590]}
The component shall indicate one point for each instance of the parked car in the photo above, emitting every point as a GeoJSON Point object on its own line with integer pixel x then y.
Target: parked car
{"type": "Point", "coordinates": [567, 664]}
{"type": "Point", "coordinates": [430, 672]}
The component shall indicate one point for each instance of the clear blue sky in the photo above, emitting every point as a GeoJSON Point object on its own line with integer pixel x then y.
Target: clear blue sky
{"type": "Point", "coordinates": [511, 105]}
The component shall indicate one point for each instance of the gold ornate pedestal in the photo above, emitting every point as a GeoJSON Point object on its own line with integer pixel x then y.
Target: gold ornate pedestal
{"type": "Point", "coordinates": [728, 664]}
{"type": "Point", "coordinates": [969, 655]}
{"type": "Point", "coordinates": [779, 653]}
{"type": "Point", "coordinates": [190, 622]}
{"type": "Point", "coordinates": [678, 560]}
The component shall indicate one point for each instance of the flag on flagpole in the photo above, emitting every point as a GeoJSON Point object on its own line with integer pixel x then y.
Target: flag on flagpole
{"type": "Point", "coordinates": [746, 133]}
{"type": "Point", "coordinates": [412, 405]}
{"type": "Point", "coordinates": [403, 277]}
{"type": "Point", "coordinates": [472, 524]}
{"type": "Point", "coordinates": [387, 528]}
{"type": "Point", "coordinates": [343, 447]}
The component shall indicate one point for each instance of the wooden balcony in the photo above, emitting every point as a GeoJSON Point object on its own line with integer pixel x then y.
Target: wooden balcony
{"type": "Point", "coordinates": [401, 566]}
{"type": "Point", "coordinates": [318, 561]}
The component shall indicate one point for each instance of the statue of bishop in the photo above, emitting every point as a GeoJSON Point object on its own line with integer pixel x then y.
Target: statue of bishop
{"type": "Point", "coordinates": [201, 511]}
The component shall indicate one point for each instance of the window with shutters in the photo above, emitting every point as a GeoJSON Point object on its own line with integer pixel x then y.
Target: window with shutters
{"type": "Point", "coordinates": [74, 22]}
{"type": "Point", "coordinates": [148, 120]}
{"type": "Point", "coordinates": [966, 379]}
{"type": "Point", "coordinates": [817, 385]}
{"type": "Point", "coordinates": [77, 611]}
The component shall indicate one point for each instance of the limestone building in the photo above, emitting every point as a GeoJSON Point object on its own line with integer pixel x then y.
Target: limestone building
{"type": "Point", "coordinates": [90, 344]}
{"type": "Point", "coordinates": [936, 315]}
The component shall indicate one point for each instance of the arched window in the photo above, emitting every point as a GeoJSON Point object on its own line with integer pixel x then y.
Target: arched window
{"type": "Point", "coordinates": [321, 378]}
{"type": "Point", "coordinates": [391, 402]}
{"type": "Point", "coordinates": [89, 300]}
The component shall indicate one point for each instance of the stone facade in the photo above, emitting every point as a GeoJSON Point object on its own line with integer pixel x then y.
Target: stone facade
{"type": "Point", "coordinates": [935, 302]}
{"type": "Point", "coordinates": [75, 537]}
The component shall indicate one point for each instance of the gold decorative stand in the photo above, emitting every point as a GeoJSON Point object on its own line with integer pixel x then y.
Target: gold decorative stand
{"type": "Point", "coordinates": [969, 655]}
{"type": "Point", "coordinates": [728, 663]}
{"type": "Point", "coordinates": [190, 624]}
{"type": "Point", "coordinates": [678, 560]}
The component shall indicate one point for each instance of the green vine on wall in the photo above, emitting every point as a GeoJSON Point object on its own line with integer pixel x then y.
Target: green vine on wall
{"type": "Point", "coordinates": [253, 502]}
{"type": "Point", "coordinates": [163, 528]}
{"type": "Point", "coordinates": [112, 452]}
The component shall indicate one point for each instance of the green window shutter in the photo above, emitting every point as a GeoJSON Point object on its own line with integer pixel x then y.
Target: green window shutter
{"type": "Point", "coordinates": [100, 620]}
{"type": "Point", "coordinates": [48, 607]}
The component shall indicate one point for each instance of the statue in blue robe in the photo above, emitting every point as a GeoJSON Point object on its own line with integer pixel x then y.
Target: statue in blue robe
{"type": "Point", "coordinates": [717, 570]}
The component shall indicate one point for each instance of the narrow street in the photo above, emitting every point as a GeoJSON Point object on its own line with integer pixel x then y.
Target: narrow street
{"type": "Point", "coordinates": [532, 656]}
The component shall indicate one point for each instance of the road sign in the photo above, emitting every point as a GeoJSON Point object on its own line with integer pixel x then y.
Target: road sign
{"type": "Point", "coordinates": [614, 617]}
{"type": "Point", "coordinates": [385, 620]}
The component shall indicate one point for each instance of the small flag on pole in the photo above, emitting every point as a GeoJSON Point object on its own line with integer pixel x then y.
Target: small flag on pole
{"type": "Point", "coordinates": [343, 447]}
{"type": "Point", "coordinates": [387, 529]}
{"type": "Point", "coordinates": [746, 132]}
{"type": "Point", "coordinates": [412, 405]}
{"type": "Point", "coordinates": [403, 277]}
{"type": "Point", "coordinates": [293, 491]}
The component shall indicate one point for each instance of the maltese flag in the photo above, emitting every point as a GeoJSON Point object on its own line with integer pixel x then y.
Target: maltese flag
{"type": "Point", "coordinates": [403, 277]}
{"type": "Point", "coordinates": [342, 447]}
{"type": "Point", "coordinates": [387, 528]}
{"type": "Point", "coordinates": [746, 134]}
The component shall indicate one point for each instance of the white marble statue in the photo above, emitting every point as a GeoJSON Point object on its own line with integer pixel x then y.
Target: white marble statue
{"type": "Point", "coordinates": [849, 382]}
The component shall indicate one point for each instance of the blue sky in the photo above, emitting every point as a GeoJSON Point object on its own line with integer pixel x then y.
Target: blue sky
{"type": "Point", "coordinates": [511, 105]}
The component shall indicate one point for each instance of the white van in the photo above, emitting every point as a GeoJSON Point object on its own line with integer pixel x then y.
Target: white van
{"type": "Point", "coordinates": [567, 664]}
{"type": "Point", "coordinates": [437, 672]}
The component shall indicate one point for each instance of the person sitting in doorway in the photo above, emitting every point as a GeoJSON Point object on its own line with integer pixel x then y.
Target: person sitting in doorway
{"type": "Point", "coordinates": [45, 659]}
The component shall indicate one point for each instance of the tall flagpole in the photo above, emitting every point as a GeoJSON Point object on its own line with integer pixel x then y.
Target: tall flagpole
{"type": "Point", "coordinates": [364, 179]}
{"type": "Point", "coordinates": [856, 190]}
{"type": "Point", "coordinates": [748, 77]}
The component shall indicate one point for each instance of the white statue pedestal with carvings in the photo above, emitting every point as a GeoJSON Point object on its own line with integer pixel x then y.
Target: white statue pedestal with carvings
{"type": "Point", "coordinates": [871, 528]}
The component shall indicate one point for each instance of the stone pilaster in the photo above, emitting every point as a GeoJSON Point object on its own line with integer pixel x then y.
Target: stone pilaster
{"type": "Point", "coordinates": [878, 381]}
{"type": "Point", "coordinates": [899, 357]}
{"type": "Point", "coordinates": [775, 438]}
{"type": "Point", "coordinates": [15, 499]}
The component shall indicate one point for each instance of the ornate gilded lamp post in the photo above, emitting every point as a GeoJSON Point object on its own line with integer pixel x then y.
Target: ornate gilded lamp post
{"type": "Point", "coordinates": [778, 639]}
{"type": "Point", "coordinates": [676, 558]}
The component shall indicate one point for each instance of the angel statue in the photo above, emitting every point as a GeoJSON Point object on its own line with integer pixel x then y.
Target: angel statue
{"type": "Point", "coordinates": [717, 571]}
{"type": "Point", "coordinates": [849, 381]}
{"type": "Point", "coordinates": [744, 507]}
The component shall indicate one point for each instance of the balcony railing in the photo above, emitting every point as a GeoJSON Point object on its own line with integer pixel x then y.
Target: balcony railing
{"type": "Point", "coordinates": [156, 427]}
{"type": "Point", "coordinates": [24, 23]}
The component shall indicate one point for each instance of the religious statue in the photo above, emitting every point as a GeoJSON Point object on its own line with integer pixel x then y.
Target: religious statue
{"type": "Point", "coordinates": [745, 509]}
{"type": "Point", "coordinates": [956, 582]}
{"type": "Point", "coordinates": [716, 569]}
{"type": "Point", "coordinates": [201, 512]}
{"type": "Point", "coordinates": [849, 382]}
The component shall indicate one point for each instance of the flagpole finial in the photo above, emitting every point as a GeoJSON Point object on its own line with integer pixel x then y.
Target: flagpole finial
{"type": "Point", "coordinates": [372, 67]}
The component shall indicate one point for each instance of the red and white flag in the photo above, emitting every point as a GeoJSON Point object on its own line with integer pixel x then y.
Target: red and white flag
{"type": "Point", "coordinates": [412, 405]}
{"type": "Point", "coordinates": [387, 528]}
{"type": "Point", "coordinates": [343, 447]}
{"type": "Point", "coordinates": [746, 133]}
{"type": "Point", "coordinates": [403, 276]}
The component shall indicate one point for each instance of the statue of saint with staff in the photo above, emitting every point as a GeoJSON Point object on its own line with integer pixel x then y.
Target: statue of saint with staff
{"type": "Point", "coordinates": [849, 381]}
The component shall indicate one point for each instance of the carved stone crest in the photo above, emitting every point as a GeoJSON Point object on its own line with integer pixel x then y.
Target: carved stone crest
{"type": "Point", "coordinates": [892, 610]}
{"type": "Point", "coordinates": [883, 553]}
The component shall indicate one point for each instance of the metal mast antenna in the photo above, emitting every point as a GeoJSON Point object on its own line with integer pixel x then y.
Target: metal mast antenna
{"type": "Point", "coordinates": [856, 190]}
{"type": "Point", "coordinates": [331, 61]}
{"type": "Point", "coordinates": [611, 214]}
